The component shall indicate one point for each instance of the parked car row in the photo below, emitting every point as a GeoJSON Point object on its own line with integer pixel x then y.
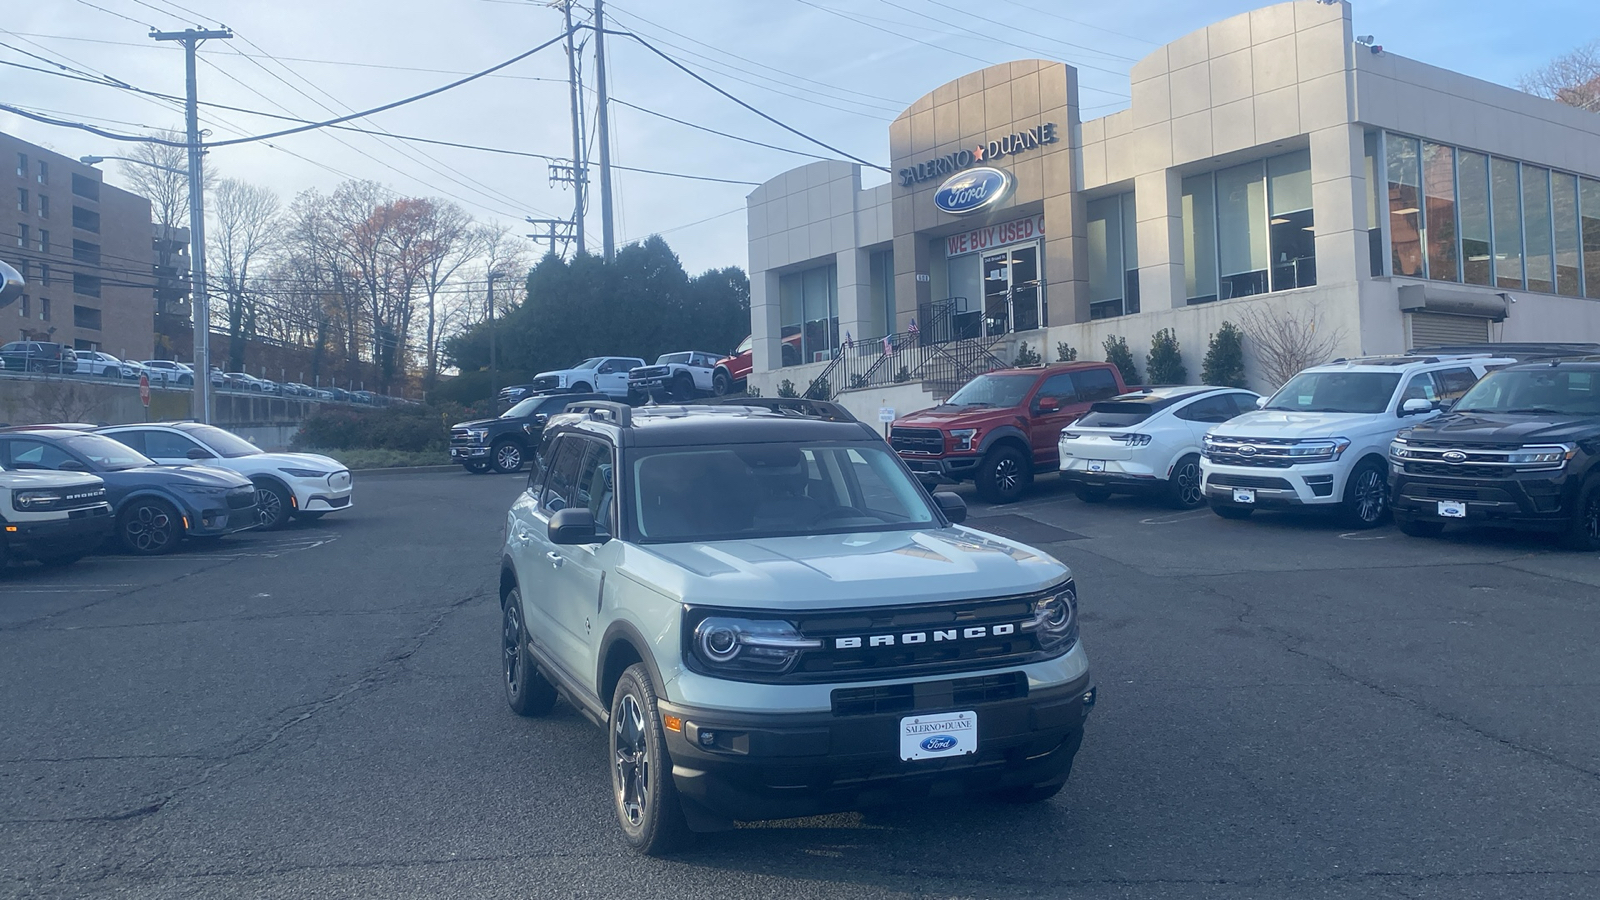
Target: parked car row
{"type": "Point", "coordinates": [678, 376]}
{"type": "Point", "coordinates": [147, 488]}
{"type": "Point", "coordinates": [1504, 435]}
{"type": "Point", "coordinates": [48, 358]}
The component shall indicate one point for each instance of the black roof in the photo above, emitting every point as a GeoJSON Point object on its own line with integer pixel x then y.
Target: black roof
{"type": "Point", "coordinates": [1584, 363]}
{"type": "Point", "coordinates": [696, 425]}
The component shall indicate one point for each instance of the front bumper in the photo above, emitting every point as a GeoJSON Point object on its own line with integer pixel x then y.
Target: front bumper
{"type": "Point", "coordinates": [1306, 484]}
{"type": "Point", "coordinates": [1533, 501]}
{"type": "Point", "coordinates": [779, 765]}
{"type": "Point", "coordinates": [80, 531]}
{"type": "Point", "coordinates": [947, 468]}
{"type": "Point", "coordinates": [464, 452]}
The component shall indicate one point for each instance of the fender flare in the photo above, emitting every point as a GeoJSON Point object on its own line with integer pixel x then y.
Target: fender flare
{"type": "Point", "coordinates": [1002, 433]}
{"type": "Point", "coordinates": [618, 632]}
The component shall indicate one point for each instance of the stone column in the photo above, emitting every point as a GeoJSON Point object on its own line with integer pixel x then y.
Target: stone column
{"type": "Point", "coordinates": [1158, 210]}
{"type": "Point", "coordinates": [765, 322]}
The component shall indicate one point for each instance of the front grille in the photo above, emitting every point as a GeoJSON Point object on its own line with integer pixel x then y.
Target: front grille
{"type": "Point", "coordinates": [339, 480]}
{"type": "Point", "coordinates": [1424, 491]}
{"type": "Point", "coordinates": [459, 437]}
{"type": "Point", "coordinates": [648, 372]}
{"type": "Point", "coordinates": [1445, 470]}
{"type": "Point", "coordinates": [929, 695]}
{"type": "Point", "coordinates": [89, 512]}
{"type": "Point", "coordinates": [547, 383]}
{"type": "Point", "coordinates": [241, 498]}
{"type": "Point", "coordinates": [1264, 453]}
{"type": "Point", "coordinates": [1227, 479]}
{"type": "Point", "coordinates": [1470, 460]}
{"type": "Point", "coordinates": [925, 441]}
{"type": "Point", "coordinates": [338, 502]}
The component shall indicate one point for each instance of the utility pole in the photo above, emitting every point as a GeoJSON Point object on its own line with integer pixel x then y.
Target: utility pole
{"type": "Point", "coordinates": [579, 164]}
{"type": "Point", "coordinates": [608, 240]}
{"type": "Point", "coordinates": [557, 231]}
{"type": "Point", "coordinates": [494, 360]}
{"type": "Point", "coordinates": [191, 38]}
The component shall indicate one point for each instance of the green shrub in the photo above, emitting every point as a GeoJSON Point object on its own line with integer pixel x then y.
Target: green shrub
{"type": "Point", "coordinates": [1118, 354]}
{"type": "Point", "coordinates": [405, 429]}
{"type": "Point", "coordinates": [1066, 352]}
{"type": "Point", "coordinates": [902, 376]}
{"type": "Point", "coordinates": [1026, 356]}
{"type": "Point", "coordinates": [752, 392]}
{"type": "Point", "coordinates": [1164, 365]}
{"type": "Point", "coordinates": [786, 389]}
{"type": "Point", "coordinates": [819, 390]}
{"type": "Point", "coordinates": [1224, 362]}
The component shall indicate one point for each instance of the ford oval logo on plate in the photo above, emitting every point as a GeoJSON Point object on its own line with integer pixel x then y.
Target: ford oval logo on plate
{"type": "Point", "coordinates": [1453, 456]}
{"type": "Point", "coordinates": [973, 190]}
{"type": "Point", "coordinates": [938, 742]}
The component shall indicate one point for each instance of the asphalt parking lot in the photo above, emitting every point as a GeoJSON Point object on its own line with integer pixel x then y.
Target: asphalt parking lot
{"type": "Point", "coordinates": [1287, 710]}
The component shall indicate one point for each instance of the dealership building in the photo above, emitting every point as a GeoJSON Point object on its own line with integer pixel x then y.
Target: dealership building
{"type": "Point", "coordinates": [1272, 167]}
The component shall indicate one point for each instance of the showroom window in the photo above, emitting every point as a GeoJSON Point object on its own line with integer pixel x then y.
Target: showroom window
{"type": "Point", "coordinates": [1463, 216]}
{"type": "Point", "coordinates": [880, 282]}
{"type": "Point", "coordinates": [1113, 257]}
{"type": "Point", "coordinates": [808, 305]}
{"type": "Point", "coordinates": [1249, 229]}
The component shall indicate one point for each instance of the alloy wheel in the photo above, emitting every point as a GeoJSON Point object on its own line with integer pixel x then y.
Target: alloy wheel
{"type": "Point", "coordinates": [632, 779]}
{"type": "Point", "coordinates": [149, 529]}
{"type": "Point", "coordinates": [511, 645]}
{"type": "Point", "coordinates": [1188, 478]}
{"type": "Point", "coordinates": [1591, 518]}
{"type": "Point", "coordinates": [1371, 495]}
{"type": "Point", "coordinates": [1007, 475]}
{"type": "Point", "coordinates": [509, 458]}
{"type": "Point", "coordinates": [268, 506]}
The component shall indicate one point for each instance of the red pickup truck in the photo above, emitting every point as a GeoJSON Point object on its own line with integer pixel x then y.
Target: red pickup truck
{"type": "Point", "coordinates": [1002, 427]}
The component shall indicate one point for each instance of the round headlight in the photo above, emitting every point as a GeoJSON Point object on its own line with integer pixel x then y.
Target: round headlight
{"type": "Point", "coordinates": [719, 643]}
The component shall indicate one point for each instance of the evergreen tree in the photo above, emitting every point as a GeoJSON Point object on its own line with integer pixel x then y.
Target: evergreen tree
{"type": "Point", "coordinates": [1224, 362]}
{"type": "Point", "coordinates": [1118, 354]}
{"type": "Point", "coordinates": [1164, 364]}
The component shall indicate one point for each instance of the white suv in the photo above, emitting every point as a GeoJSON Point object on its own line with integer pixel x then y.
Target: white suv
{"type": "Point", "coordinates": [1322, 439]}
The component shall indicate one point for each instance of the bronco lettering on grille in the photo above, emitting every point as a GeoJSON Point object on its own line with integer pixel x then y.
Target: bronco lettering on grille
{"type": "Point", "coordinates": [922, 637]}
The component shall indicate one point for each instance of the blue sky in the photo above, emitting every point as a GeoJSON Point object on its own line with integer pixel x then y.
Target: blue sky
{"type": "Point", "coordinates": [838, 70]}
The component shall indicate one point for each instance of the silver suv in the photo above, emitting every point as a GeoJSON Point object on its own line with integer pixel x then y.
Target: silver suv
{"type": "Point", "coordinates": [771, 618]}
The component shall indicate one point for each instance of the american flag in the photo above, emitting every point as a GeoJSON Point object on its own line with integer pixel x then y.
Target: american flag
{"type": "Point", "coordinates": [913, 328]}
{"type": "Point", "coordinates": [888, 347]}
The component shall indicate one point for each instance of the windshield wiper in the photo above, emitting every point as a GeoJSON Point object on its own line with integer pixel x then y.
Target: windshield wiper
{"type": "Point", "coordinates": [1527, 409]}
{"type": "Point", "coordinates": [1305, 409]}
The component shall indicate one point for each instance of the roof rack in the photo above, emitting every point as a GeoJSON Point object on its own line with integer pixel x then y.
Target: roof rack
{"type": "Point", "coordinates": [618, 414]}
{"type": "Point", "coordinates": [1521, 350]}
{"type": "Point", "coordinates": [791, 406]}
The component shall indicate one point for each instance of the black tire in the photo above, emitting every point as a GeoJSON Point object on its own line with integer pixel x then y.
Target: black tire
{"type": "Point", "coordinates": [35, 366]}
{"type": "Point", "coordinates": [1421, 528]}
{"type": "Point", "coordinates": [1091, 494]}
{"type": "Point", "coordinates": [682, 387]}
{"type": "Point", "coordinates": [186, 379]}
{"type": "Point", "coordinates": [1583, 534]}
{"type": "Point", "coordinates": [506, 456]}
{"type": "Point", "coordinates": [527, 693]}
{"type": "Point", "coordinates": [1183, 488]}
{"type": "Point", "coordinates": [273, 506]}
{"type": "Point", "coordinates": [1004, 475]}
{"type": "Point", "coordinates": [1229, 511]}
{"type": "Point", "coordinates": [1366, 496]}
{"type": "Point", "coordinates": [149, 527]}
{"type": "Point", "coordinates": [476, 466]}
{"type": "Point", "coordinates": [721, 383]}
{"type": "Point", "coordinates": [581, 387]}
{"type": "Point", "coordinates": [643, 794]}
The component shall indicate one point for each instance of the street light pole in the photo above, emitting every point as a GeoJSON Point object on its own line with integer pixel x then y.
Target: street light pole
{"type": "Point", "coordinates": [494, 362]}
{"type": "Point", "coordinates": [191, 38]}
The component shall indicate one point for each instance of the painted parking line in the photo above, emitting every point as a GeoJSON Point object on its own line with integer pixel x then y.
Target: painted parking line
{"type": "Point", "coordinates": [1175, 518]}
{"type": "Point", "coordinates": [67, 589]}
{"type": "Point", "coordinates": [253, 550]}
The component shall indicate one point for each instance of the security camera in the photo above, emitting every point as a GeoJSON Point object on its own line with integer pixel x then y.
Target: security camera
{"type": "Point", "coordinates": [1364, 39]}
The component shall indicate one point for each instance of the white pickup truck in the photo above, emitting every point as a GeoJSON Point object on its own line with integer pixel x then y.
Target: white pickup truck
{"type": "Point", "coordinates": [599, 374]}
{"type": "Point", "coordinates": [681, 376]}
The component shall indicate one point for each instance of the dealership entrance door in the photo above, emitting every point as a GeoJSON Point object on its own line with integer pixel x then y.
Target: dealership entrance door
{"type": "Point", "coordinates": [1012, 300]}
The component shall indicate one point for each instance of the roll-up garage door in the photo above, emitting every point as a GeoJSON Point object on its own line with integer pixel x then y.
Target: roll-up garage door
{"type": "Point", "coordinates": [1437, 330]}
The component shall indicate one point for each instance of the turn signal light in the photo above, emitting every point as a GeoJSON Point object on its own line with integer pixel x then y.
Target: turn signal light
{"type": "Point", "coordinates": [11, 528]}
{"type": "Point", "coordinates": [672, 723]}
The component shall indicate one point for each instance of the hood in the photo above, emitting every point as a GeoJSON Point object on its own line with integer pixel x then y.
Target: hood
{"type": "Point", "coordinates": [179, 476]}
{"type": "Point", "coordinates": [33, 479]}
{"type": "Point", "coordinates": [300, 461]}
{"type": "Point", "coordinates": [475, 423]}
{"type": "Point", "coordinates": [846, 570]}
{"type": "Point", "coordinates": [555, 372]}
{"type": "Point", "coordinates": [1291, 425]}
{"type": "Point", "coordinates": [1494, 428]}
{"type": "Point", "coordinates": [954, 417]}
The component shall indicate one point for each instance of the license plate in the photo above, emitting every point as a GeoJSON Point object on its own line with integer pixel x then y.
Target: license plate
{"type": "Point", "coordinates": [1096, 465]}
{"type": "Point", "coordinates": [1241, 495]}
{"type": "Point", "coordinates": [1452, 509]}
{"type": "Point", "coordinates": [938, 735]}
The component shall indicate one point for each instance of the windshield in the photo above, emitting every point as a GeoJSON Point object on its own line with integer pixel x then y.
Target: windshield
{"type": "Point", "coordinates": [592, 362]}
{"type": "Point", "coordinates": [745, 491]}
{"type": "Point", "coordinates": [106, 454]}
{"type": "Point", "coordinates": [1336, 392]}
{"type": "Point", "coordinates": [1110, 414]}
{"type": "Point", "coordinates": [993, 390]}
{"type": "Point", "coordinates": [1574, 392]}
{"type": "Point", "coordinates": [530, 407]}
{"type": "Point", "coordinates": [225, 443]}
{"type": "Point", "coordinates": [666, 358]}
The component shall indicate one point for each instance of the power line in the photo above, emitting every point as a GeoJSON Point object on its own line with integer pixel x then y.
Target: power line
{"type": "Point", "coordinates": [662, 115]}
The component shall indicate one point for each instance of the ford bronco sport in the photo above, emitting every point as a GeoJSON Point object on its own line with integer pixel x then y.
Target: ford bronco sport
{"type": "Point", "coordinates": [770, 618]}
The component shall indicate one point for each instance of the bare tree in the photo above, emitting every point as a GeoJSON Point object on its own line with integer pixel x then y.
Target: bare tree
{"type": "Point", "coordinates": [1288, 339]}
{"type": "Point", "coordinates": [1572, 78]}
{"type": "Point", "coordinates": [449, 242]}
{"type": "Point", "coordinates": [245, 228]}
{"type": "Point", "coordinates": [160, 173]}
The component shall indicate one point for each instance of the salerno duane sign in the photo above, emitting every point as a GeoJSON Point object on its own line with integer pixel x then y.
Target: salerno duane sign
{"type": "Point", "coordinates": [985, 153]}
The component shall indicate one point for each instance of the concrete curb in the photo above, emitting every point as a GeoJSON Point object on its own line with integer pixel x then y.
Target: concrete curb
{"type": "Point", "coordinates": [404, 470]}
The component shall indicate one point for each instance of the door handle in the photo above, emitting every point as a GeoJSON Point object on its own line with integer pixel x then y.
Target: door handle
{"type": "Point", "coordinates": [555, 558]}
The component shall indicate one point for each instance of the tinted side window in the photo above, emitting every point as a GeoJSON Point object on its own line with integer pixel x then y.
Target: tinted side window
{"type": "Point", "coordinates": [26, 454]}
{"type": "Point", "coordinates": [1420, 387]}
{"type": "Point", "coordinates": [1243, 403]}
{"type": "Point", "coordinates": [134, 439]}
{"type": "Point", "coordinates": [166, 445]}
{"type": "Point", "coordinates": [1208, 409]}
{"type": "Point", "coordinates": [594, 490]}
{"type": "Point", "coordinates": [1059, 387]}
{"type": "Point", "coordinates": [1454, 382]}
{"type": "Point", "coordinates": [563, 474]}
{"type": "Point", "coordinates": [1095, 384]}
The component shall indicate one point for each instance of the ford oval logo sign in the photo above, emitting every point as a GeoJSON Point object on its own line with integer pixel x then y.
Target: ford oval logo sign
{"type": "Point", "coordinates": [1247, 450]}
{"type": "Point", "coordinates": [973, 190]}
{"type": "Point", "coordinates": [1454, 456]}
{"type": "Point", "coordinates": [937, 743]}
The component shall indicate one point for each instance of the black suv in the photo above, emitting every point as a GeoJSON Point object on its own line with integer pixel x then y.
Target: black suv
{"type": "Point", "coordinates": [39, 356]}
{"type": "Point", "coordinates": [1519, 450]}
{"type": "Point", "coordinates": [503, 443]}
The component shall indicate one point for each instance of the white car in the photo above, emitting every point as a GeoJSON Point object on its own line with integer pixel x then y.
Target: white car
{"type": "Point", "coordinates": [1323, 439]}
{"type": "Point", "coordinates": [599, 374]}
{"type": "Point", "coordinates": [1147, 442]}
{"type": "Point", "coordinates": [683, 375]}
{"type": "Point", "coordinates": [167, 371]}
{"type": "Point", "coordinates": [297, 485]}
{"type": "Point", "coordinates": [94, 362]}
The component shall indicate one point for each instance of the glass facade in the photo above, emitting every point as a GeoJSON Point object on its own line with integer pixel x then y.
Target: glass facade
{"type": "Point", "coordinates": [1463, 216]}
{"type": "Point", "coordinates": [1113, 257]}
{"type": "Point", "coordinates": [1249, 229]}
{"type": "Point", "coordinates": [808, 306]}
{"type": "Point", "coordinates": [880, 285]}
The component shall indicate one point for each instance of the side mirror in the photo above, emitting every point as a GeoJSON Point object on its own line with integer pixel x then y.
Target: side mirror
{"type": "Point", "coordinates": [1049, 404]}
{"type": "Point", "coordinates": [1261, 402]}
{"type": "Point", "coordinates": [573, 525]}
{"type": "Point", "coordinates": [71, 465]}
{"type": "Point", "coordinates": [1416, 405]}
{"type": "Point", "coordinates": [197, 453]}
{"type": "Point", "coordinates": [951, 504]}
